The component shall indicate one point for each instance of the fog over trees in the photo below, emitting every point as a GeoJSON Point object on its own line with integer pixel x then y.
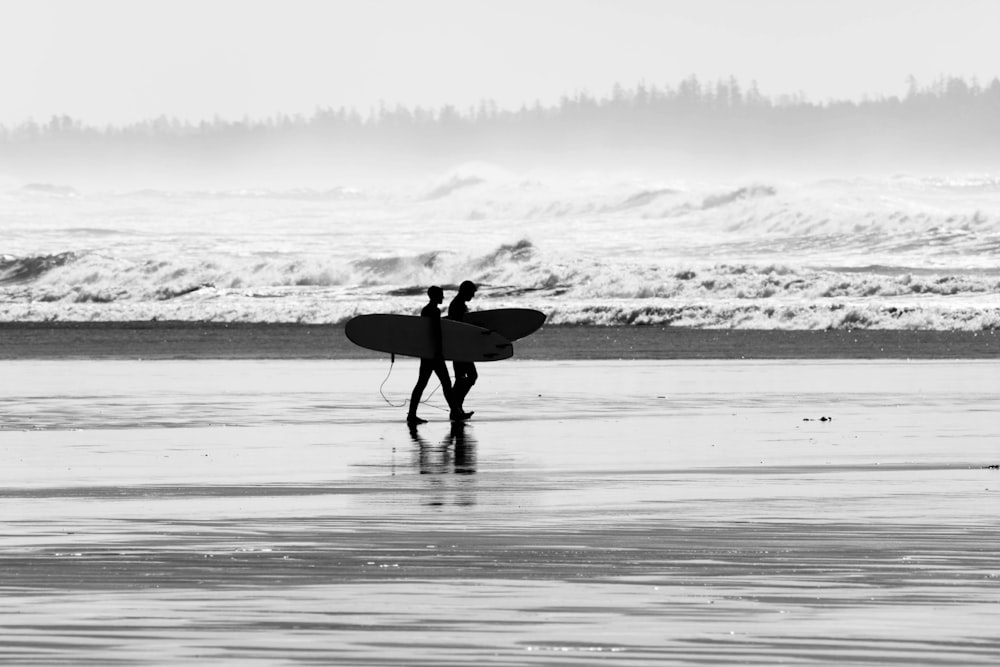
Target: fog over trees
{"type": "Point", "coordinates": [949, 124]}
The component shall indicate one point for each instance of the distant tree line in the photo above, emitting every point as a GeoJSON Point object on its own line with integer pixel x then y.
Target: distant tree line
{"type": "Point", "coordinates": [949, 118]}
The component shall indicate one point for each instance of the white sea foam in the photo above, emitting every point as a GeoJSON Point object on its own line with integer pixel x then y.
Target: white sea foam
{"type": "Point", "coordinates": [903, 252]}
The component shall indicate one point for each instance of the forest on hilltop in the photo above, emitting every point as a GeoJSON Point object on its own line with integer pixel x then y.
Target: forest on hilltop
{"type": "Point", "coordinates": [950, 122]}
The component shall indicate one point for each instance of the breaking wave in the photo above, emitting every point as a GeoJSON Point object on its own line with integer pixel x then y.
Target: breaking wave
{"type": "Point", "coordinates": [453, 185]}
{"type": "Point", "coordinates": [14, 270]}
{"type": "Point", "coordinates": [741, 194]}
{"type": "Point", "coordinates": [596, 292]}
{"type": "Point", "coordinates": [904, 252]}
{"type": "Point", "coordinates": [334, 194]}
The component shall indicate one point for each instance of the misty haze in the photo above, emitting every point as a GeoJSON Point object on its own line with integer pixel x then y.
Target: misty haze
{"type": "Point", "coordinates": [694, 129]}
{"type": "Point", "coordinates": [534, 332]}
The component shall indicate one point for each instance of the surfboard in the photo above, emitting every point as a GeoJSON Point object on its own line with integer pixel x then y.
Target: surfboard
{"type": "Point", "coordinates": [410, 335]}
{"type": "Point", "coordinates": [511, 323]}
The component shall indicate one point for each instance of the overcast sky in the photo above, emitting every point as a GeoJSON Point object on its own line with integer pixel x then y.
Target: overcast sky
{"type": "Point", "coordinates": [113, 61]}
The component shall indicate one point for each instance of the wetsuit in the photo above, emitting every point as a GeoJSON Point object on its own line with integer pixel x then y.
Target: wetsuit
{"type": "Point", "coordinates": [432, 365]}
{"type": "Point", "coordinates": [465, 371]}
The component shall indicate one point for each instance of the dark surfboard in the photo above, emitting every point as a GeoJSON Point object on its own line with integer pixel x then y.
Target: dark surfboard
{"type": "Point", "coordinates": [511, 323]}
{"type": "Point", "coordinates": [410, 335]}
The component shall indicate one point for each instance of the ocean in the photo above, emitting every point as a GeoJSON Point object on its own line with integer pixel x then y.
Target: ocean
{"type": "Point", "coordinates": [900, 252]}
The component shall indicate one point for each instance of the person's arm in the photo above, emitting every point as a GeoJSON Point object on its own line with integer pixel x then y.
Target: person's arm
{"type": "Point", "coordinates": [436, 335]}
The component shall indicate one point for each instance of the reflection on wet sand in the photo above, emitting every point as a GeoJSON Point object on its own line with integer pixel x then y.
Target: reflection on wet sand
{"type": "Point", "coordinates": [667, 513]}
{"type": "Point", "coordinates": [454, 454]}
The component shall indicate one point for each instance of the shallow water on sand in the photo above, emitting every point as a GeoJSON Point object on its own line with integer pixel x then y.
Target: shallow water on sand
{"type": "Point", "coordinates": [644, 512]}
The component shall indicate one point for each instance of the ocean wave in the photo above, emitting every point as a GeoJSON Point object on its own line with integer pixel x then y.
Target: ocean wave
{"type": "Point", "coordinates": [788, 316]}
{"type": "Point", "coordinates": [506, 254]}
{"type": "Point", "coordinates": [642, 198]}
{"type": "Point", "coordinates": [49, 190]}
{"type": "Point", "coordinates": [574, 290]}
{"type": "Point", "coordinates": [964, 183]}
{"type": "Point", "coordinates": [333, 194]}
{"type": "Point", "coordinates": [452, 185]}
{"type": "Point", "coordinates": [904, 252]}
{"type": "Point", "coordinates": [329, 309]}
{"type": "Point", "coordinates": [14, 270]}
{"type": "Point", "coordinates": [740, 194]}
{"type": "Point", "coordinates": [380, 269]}
{"type": "Point", "coordinates": [866, 217]}
{"type": "Point", "coordinates": [909, 216]}
{"type": "Point", "coordinates": [103, 277]}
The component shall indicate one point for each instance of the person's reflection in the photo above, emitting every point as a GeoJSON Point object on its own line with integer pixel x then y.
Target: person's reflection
{"type": "Point", "coordinates": [456, 453]}
{"type": "Point", "coordinates": [424, 454]}
{"type": "Point", "coordinates": [464, 449]}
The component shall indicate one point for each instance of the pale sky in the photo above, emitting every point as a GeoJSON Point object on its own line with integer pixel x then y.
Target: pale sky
{"type": "Point", "coordinates": [114, 61]}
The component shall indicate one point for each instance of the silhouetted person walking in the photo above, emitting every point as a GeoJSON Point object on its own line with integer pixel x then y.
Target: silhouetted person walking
{"type": "Point", "coordinates": [435, 364]}
{"type": "Point", "coordinates": [465, 371]}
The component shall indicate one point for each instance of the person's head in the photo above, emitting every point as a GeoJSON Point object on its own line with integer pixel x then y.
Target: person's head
{"type": "Point", "coordinates": [467, 289]}
{"type": "Point", "coordinates": [435, 294]}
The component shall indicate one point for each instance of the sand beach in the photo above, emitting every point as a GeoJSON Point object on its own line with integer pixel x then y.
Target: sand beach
{"type": "Point", "coordinates": [638, 511]}
{"type": "Point", "coordinates": [758, 426]}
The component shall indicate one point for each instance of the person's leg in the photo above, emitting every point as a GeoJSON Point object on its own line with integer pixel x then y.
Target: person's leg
{"type": "Point", "coordinates": [465, 377]}
{"type": "Point", "coordinates": [446, 387]}
{"type": "Point", "coordinates": [426, 368]}
{"type": "Point", "coordinates": [459, 384]}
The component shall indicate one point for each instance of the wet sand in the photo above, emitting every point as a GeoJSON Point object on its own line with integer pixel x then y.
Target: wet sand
{"type": "Point", "coordinates": [247, 340]}
{"type": "Point", "coordinates": [655, 512]}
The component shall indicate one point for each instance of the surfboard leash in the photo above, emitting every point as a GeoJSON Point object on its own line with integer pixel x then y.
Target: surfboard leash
{"type": "Point", "coordinates": [436, 407]}
{"type": "Point", "coordinates": [392, 362]}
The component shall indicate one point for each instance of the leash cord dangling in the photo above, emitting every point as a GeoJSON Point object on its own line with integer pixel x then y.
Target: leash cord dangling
{"type": "Point", "coordinates": [392, 362]}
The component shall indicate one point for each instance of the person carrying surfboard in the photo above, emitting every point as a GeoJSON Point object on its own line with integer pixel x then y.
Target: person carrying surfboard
{"type": "Point", "coordinates": [435, 364]}
{"type": "Point", "coordinates": [465, 371]}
